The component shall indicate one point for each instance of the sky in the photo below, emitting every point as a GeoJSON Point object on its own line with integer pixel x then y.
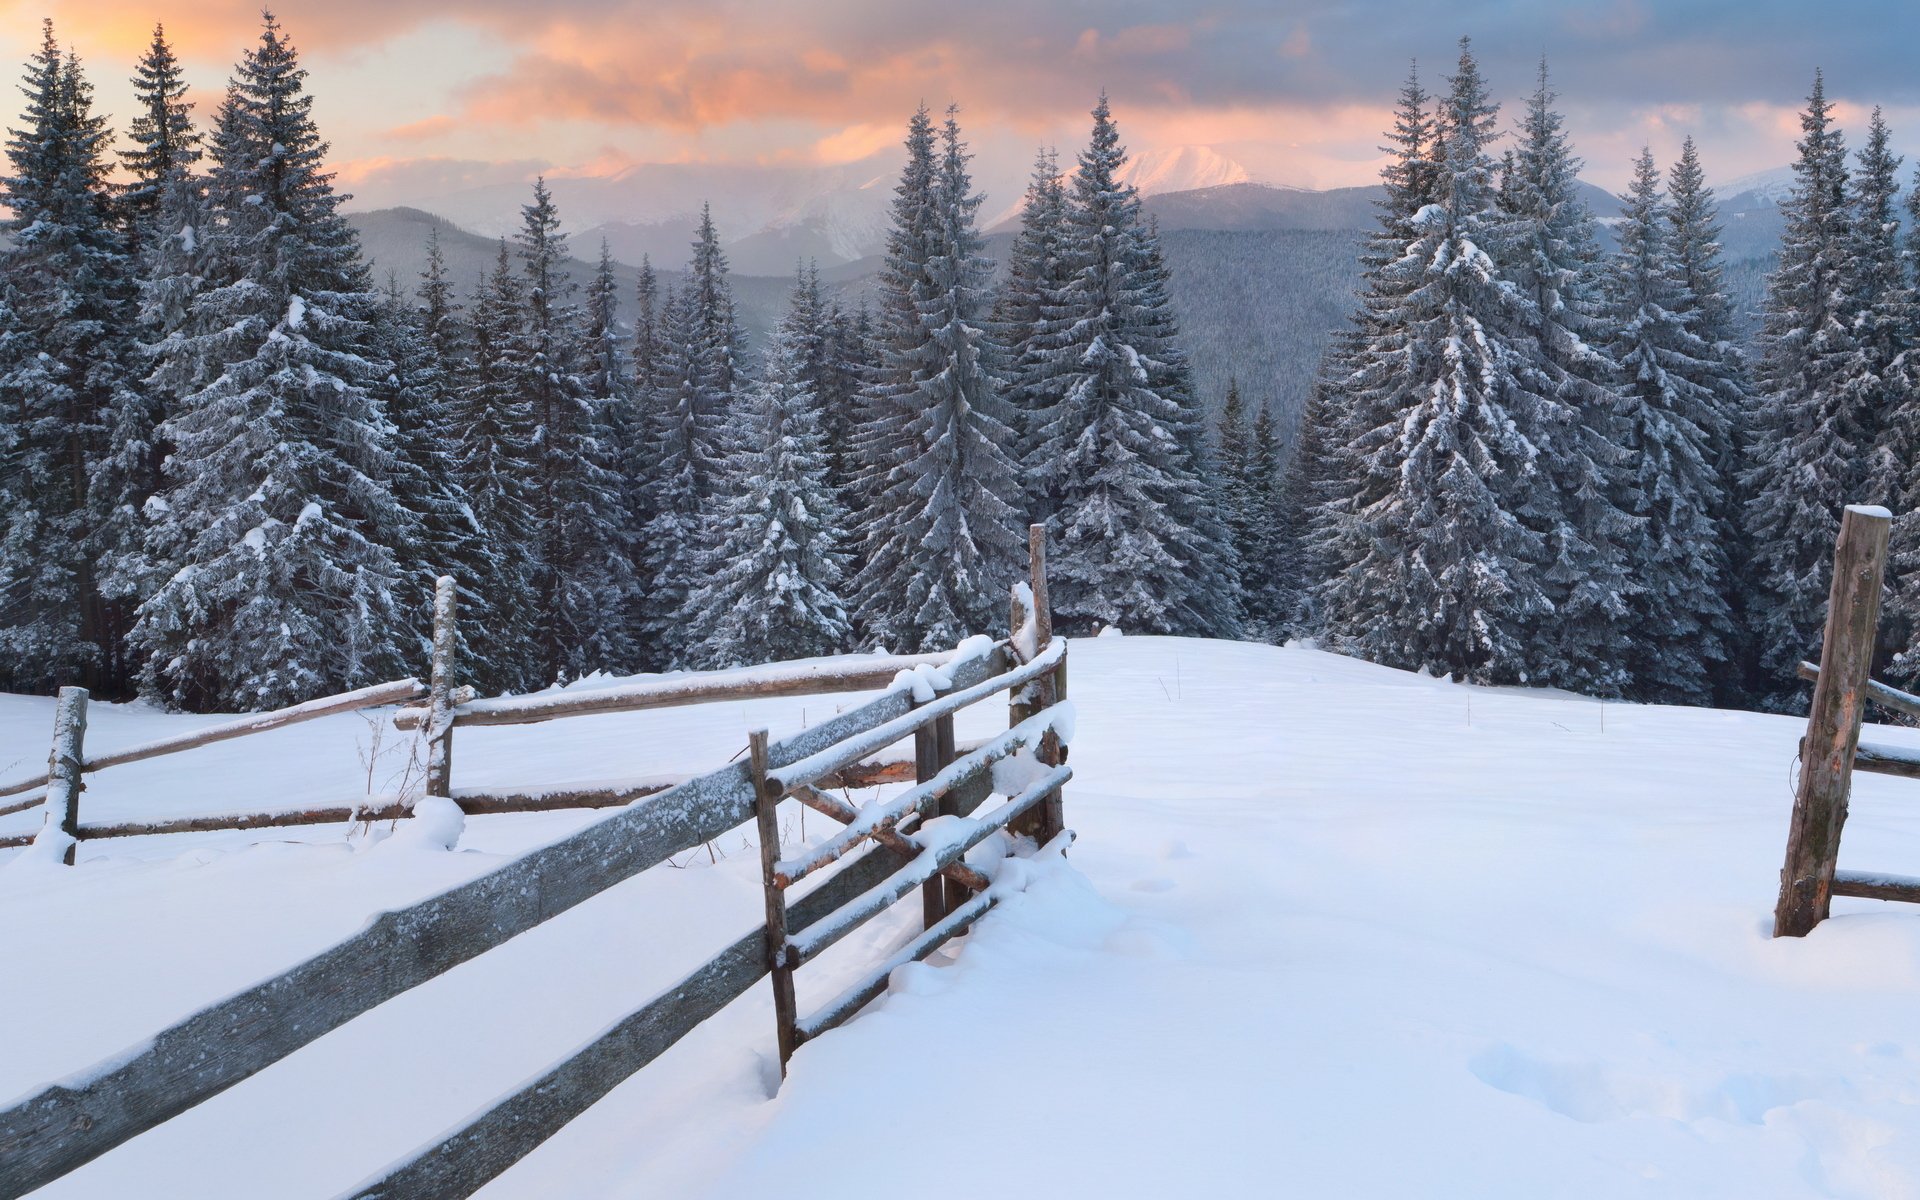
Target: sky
{"type": "Point", "coordinates": [421, 98]}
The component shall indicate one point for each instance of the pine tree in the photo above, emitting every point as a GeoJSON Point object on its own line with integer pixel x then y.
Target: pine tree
{"type": "Point", "coordinates": [693, 414]}
{"type": "Point", "coordinates": [1349, 418]}
{"type": "Point", "coordinates": [1585, 515]}
{"type": "Point", "coordinates": [164, 139]}
{"type": "Point", "coordinates": [1881, 322]}
{"type": "Point", "coordinates": [1679, 621]}
{"type": "Point", "coordinates": [582, 576]}
{"type": "Point", "coordinates": [940, 538]}
{"type": "Point", "coordinates": [640, 458]}
{"type": "Point", "coordinates": [1035, 271]}
{"type": "Point", "coordinates": [772, 588]}
{"type": "Point", "coordinates": [1808, 451]}
{"type": "Point", "coordinates": [1272, 582]}
{"type": "Point", "coordinates": [1904, 560]}
{"type": "Point", "coordinates": [70, 287]}
{"type": "Point", "coordinates": [1435, 565]}
{"type": "Point", "coordinates": [1232, 451]}
{"type": "Point", "coordinates": [879, 437]}
{"type": "Point", "coordinates": [492, 448]}
{"type": "Point", "coordinates": [274, 547]}
{"type": "Point", "coordinates": [1136, 537]}
{"type": "Point", "coordinates": [845, 366]}
{"type": "Point", "coordinates": [1721, 370]}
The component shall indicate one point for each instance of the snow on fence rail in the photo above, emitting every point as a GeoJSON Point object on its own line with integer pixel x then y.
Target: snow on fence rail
{"type": "Point", "coordinates": [1831, 750]}
{"type": "Point", "coordinates": [69, 1123]}
{"type": "Point", "coordinates": [60, 786]}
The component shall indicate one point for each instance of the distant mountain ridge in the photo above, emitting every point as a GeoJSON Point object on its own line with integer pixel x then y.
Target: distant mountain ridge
{"type": "Point", "coordinates": [1262, 275]}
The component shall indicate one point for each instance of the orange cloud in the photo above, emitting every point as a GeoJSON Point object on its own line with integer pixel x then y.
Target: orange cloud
{"type": "Point", "coordinates": [421, 130]}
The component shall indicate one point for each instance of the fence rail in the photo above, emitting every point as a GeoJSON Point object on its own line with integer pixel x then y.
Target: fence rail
{"type": "Point", "coordinates": [69, 1123]}
{"type": "Point", "coordinates": [459, 707]}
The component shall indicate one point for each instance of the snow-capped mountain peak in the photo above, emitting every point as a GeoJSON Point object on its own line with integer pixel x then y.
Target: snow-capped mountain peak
{"type": "Point", "coordinates": [1182, 169]}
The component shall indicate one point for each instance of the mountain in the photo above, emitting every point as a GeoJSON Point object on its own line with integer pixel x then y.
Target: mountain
{"type": "Point", "coordinates": [1182, 169]}
{"type": "Point", "coordinates": [1262, 275]}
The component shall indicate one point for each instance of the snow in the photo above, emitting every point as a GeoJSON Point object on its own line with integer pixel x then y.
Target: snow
{"type": "Point", "coordinates": [1320, 926]}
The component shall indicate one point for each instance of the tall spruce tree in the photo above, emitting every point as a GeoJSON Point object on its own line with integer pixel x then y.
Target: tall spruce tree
{"type": "Point", "coordinates": [1272, 581]}
{"type": "Point", "coordinates": [493, 456]}
{"type": "Point", "coordinates": [1721, 370]}
{"type": "Point", "coordinates": [1679, 621]}
{"type": "Point", "coordinates": [1137, 540]}
{"type": "Point", "coordinates": [164, 139]}
{"type": "Point", "coordinates": [274, 550]}
{"type": "Point", "coordinates": [640, 456]}
{"type": "Point", "coordinates": [1585, 515]}
{"type": "Point", "coordinates": [1036, 267]}
{"type": "Point", "coordinates": [65, 383]}
{"type": "Point", "coordinates": [1808, 450]}
{"type": "Point", "coordinates": [1436, 565]}
{"type": "Point", "coordinates": [1351, 419]}
{"type": "Point", "coordinates": [940, 538]}
{"type": "Point", "coordinates": [1904, 560]}
{"type": "Point", "coordinates": [772, 590]}
{"type": "Point", "coordinates": [582, 576]}
{"type": "Point", "coordinates": [1881, 321]}
{"type": "Point", "coordinates": [693, 413]}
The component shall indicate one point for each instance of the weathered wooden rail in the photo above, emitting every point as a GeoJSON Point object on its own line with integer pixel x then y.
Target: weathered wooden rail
{"type": "Point", "coordinates": [60, 787]}
{"type": "Point", "coordinates": [1831, 750]}
{"type": "Point", "coordinates": [69, 1123]}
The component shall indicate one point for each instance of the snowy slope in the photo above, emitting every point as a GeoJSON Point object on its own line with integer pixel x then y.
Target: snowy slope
{"type": "Point", "coordinates": [1331, 930]}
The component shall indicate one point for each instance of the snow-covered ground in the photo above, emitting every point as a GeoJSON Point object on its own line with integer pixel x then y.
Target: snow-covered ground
{"type": "Point", "coordinates": [1329, 930]}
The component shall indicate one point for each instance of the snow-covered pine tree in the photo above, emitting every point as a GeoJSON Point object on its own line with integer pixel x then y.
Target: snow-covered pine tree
{"type": "Point", "coordinates": [1435, 566]}
{"type": "Point", "coordinates": [844, 367]}
{"type": "Point", "coordinates": [1229, 464]}
{"type": "Point", "coordinates": [879, 440]}
{"type": "Point", "coordinates": [1272, 584]}
{"type": "Point", "coordinates": [70, 285]}
{"type": "Point", "coordinates": [1350, 418]}
{"type": "Point", "coordinates": [1245, 470]}
{"type": "Point", "coordinates": [1581, 507]}
{"type": "Point", "coordinates": [583, 577]}
{"type": "Point", "coordinates": [693, 409]}
{"type": "Point", "coordinates": [941, 534]}
{"type": "Point", "coordinates": [772, 586]}
{"type": "Point", "coordinates": [1807, 455]}
{"type": "Point", "coordinates": [422, 336]}
{"type": "Point", "coordinates": [492, 454]}
{"type": "Point", "coordinates": [274, 543]}
{"type": "Point", "coordinates": [1136, 537]}
{"type": "Point", "coordinates": [832, 368]}
{"type": "Point", "coordinates": [164, 139]}
{"type": "Point", "coordinates": [1213, 602]}
{"type": "Point", "coordinates": [1036, 267]}
{"type": "Point", "coordinates": [1679, 621]}
{"type": "Point", "coordinates": [1904, 559]}
{"type": "Point", "coordinates": [640, 457]}
{"type": "Point", "coordinates": [718, 347]}
{"type": "Point", "coordinates": [1693, 244]}
{"type": "Point", "coordinates": [1881, 322]}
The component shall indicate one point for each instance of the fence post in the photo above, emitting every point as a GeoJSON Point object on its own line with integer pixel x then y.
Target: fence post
{"type": "Point", "coordinates": [1046, 819]}
{"type": "Point", "coordinates": [65, 763]}
{"type": "Point", "coordinates": [1833, 723]}
{"type": "Point", "coordinates": [440, 692]}
{"type": "Point", "coordinates": [766, 808]}
{"type": "Point", "coordinates": [926, 764]}
{"type": "Point", "coordinates": [1051, 818]}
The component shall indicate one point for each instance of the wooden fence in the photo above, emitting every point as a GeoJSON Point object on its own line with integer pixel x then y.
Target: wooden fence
{"type": "Point", "coordinates": [58, 790]}
{"type": "Point", "coordinates": [1831, 750]}
{"type": "Point", "coordinates": [65, 1125]}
